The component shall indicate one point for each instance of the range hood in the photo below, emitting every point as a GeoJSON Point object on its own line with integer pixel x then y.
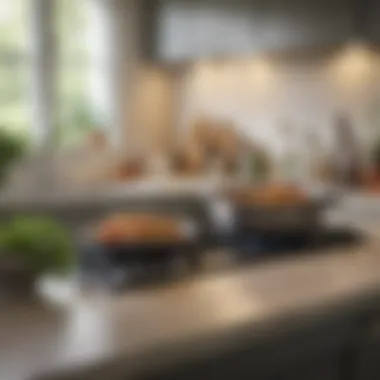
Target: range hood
{"type": "Point", "coordinates": [201, 29]}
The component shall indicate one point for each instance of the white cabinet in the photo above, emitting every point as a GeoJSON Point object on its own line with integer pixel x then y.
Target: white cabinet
{"type": "Point", "coordinates": [191, 29]}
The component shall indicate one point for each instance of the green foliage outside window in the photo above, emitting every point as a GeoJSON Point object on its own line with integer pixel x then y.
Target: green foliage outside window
{"type": "Point", "coordinates": [14, 66]}
{"type": "Point", "coordinates": [75, 116]}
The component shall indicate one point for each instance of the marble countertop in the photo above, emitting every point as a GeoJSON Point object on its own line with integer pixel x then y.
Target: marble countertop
{"type": "Point", "coordinates": [159, 188]}
{"type": "Point", "coordinates": [89, 195]}
{"type": "Point", "coordinates": [74, 331]}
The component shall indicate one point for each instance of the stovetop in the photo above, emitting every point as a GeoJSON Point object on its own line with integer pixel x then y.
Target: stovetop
{"type": "Point", "coordinates": [240, 252]}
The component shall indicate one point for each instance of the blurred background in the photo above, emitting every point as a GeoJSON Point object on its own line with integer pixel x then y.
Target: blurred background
{"type": "Point", "coordinates": [178, 170]}
{"type": "Point", "coordinates": [132, 85]}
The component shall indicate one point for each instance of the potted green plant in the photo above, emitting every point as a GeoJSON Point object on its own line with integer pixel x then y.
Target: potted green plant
{"type": "Point", "coordinates": [29, 248]}
{"type": "Point", "coordinates": [12, 148]}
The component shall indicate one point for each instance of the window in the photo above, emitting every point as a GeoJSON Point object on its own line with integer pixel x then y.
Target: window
{"type": "Point", "coordinates": [14, 66]}
{"type": "Point", "coordinates": [79, 73]}
{"type": "Point", "coordinates": [76, 115]}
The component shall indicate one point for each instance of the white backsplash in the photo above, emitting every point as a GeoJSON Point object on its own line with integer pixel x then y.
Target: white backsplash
{"type": "Point", "coordinates": [265, 96]}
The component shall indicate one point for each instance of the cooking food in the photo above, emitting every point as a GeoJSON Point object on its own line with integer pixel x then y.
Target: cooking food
{"type": "Point", "coordinates": [141, 229]}
{"type": "Point", "coordinates": [270, 195]}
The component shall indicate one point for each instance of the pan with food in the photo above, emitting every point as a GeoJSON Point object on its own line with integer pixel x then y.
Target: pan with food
{"type": "Point", "coordinates": [123, 241]}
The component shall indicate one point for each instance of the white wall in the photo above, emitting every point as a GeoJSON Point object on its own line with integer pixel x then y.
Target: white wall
{"type": "Point", "coordinates": [266, 95]}
{"type": "Point", "coordinates": [154, 107]}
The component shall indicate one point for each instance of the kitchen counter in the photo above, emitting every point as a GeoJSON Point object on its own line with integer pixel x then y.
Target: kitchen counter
{"type": "Point", "coordinates": [108, 194]}
{"type": "Point", "coordinates": [160, 188]}
{"type": "Point", "coordinates": [78, 335]}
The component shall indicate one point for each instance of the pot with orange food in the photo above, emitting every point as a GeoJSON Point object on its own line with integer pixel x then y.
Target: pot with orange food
{"type": "Point", "coordinates": [132, 238]}
{"type": "Point", "coordinates": [274, 208]}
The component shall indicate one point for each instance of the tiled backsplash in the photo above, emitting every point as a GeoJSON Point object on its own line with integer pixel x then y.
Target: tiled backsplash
{"type": "Point", "coordinates": [265, 96]}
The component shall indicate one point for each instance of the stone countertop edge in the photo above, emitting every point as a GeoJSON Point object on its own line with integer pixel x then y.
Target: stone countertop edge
{"type": "Point", "coordinates": [157, 358]}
